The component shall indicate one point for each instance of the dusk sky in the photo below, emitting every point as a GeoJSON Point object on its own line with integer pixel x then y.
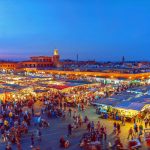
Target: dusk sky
{"type": "Point", "coordinates": [95, 29]}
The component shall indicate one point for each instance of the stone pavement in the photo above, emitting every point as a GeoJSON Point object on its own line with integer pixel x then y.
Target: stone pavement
{"type": "Point", "coordinates": [58, 127]}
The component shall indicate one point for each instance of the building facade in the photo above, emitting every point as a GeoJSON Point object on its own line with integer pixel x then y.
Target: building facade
{"type": "Point", "coordinates": [8, 65]}
{"type": "Point", "coordinates": [35, 63]}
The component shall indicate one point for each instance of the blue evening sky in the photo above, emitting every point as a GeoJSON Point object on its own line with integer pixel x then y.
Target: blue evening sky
{"type": "Point", "coordinates": [95, 29]}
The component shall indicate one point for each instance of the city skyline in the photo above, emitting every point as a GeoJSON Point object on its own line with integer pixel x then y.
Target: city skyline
{"type": "Point", "coordinates": [93, 29]}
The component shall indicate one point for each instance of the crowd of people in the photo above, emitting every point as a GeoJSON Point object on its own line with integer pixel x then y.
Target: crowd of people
{"type": "Point", "coordinates": [14, 122]}
{"type": "Point", "coordinates": [17, 117]}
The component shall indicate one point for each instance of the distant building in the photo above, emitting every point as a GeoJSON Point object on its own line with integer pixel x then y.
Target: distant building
{"type": "Point", "coordinates": [35, 62]}
{"type": "Point", "coordinates": [69, 62]}
{"type": "Point", "coordinates": [8, 65]}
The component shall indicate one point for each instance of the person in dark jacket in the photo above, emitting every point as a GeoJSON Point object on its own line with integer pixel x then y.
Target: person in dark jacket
{"type": "Point", "coordinates": [69, 129]}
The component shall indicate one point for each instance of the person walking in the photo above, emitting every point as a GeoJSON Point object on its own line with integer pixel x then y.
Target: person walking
{"type": "Point", "coordinates": [123, 120]}
{"type": "Point", "coordinates": [92, 126]}
{"type": "Point", "coordinates": [65, 106]}
{"type": "Point", "coordinates": [70, 112]}
{"type": "Point", "coordinates": [32, 111]}
{"type": "Point", "coordinates": [105, 133]}
{"type": "Point", "coordinates": [98, 125]}
{"type": "Point", "coordinates": [78, 106]}
{"type": "Point", "coordinates": [32, 140]}
{"type": "Point", "coordinates": [146, 122]}
{"type": "Point", "coordinates": [118, 129]}
{"type": "Point", "coordinates": [140, 129]}
{"type": "Point", "coordinates": [82, 107]}
{"type": "Point", "coordinates": [89, 127]}
{"type": "Point", "coordinates": [19, 146]}
{"type": "Point", "coordinates": [69, 130]}
{"type": "Point", "coordinates": [135, 128]}
{"type": "Point", "coordinates": [39, 134]}
{"type": "Point", "coordinates": [130, 134]}
{"type": "Point", "coordinates": [115, 128]}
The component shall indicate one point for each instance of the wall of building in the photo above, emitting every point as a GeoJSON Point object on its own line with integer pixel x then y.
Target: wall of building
{"type": "Point", "coordinates": [8, 65]}
{"type": "Point", "coordinates": [37, 62]}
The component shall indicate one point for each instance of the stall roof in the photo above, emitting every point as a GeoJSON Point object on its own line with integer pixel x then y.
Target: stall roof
{"type": "Point", "coordinates": [131, 106]}
{"type": "Point", "coordinates": [136, 106]}
{"type": "Point", "coordinates": [108, 101]}
{"type": "Point", "coordinates": [127, 100]}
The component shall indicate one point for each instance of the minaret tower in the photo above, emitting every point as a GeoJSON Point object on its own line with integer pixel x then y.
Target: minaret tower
{"type": "Point", "coordinates": [56, 58]}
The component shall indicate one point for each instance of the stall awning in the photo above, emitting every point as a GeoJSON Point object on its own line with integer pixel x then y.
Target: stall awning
{"type": "Point", "coordinates": [107, 101]}
{"type": "Point", "coordinates": [131, 106]}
